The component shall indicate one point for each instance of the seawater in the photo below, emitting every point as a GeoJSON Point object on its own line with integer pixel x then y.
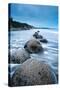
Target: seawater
{"type": "Point", "coordinates": [50, 54]}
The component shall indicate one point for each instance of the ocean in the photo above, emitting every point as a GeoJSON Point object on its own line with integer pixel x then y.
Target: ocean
{"type": "Point", "coordinates": [18, 39]}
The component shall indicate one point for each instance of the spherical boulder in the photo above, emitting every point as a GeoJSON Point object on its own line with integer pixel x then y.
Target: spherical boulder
{"type": "Point", "coordinates": [19, 56]}
{"type": "Point", "coordinates": [33, 46]}
{"type": "Point", "coordinates": [33, 72]}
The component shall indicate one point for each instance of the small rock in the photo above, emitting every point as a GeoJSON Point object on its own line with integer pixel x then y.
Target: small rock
{"type": "Point", "coordinates": [43, 41]}
{"type": "Point", "coordinates": [36, 35]}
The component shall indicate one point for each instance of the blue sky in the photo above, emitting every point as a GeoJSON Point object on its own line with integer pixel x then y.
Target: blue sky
{"type": "Point", "coordinates": [36, 15]}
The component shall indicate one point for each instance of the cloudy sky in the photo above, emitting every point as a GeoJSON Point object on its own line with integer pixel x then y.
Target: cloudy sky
{"type": "Point", "coordinates": [36, 15]}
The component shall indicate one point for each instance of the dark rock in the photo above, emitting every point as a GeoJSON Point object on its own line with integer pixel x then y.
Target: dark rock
{"type": "Point", "coordinates": [37, 36]}
{"type": "Point", "coordinates": [43, 41]}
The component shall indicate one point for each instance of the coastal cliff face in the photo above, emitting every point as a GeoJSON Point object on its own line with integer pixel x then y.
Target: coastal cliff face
{"type": "Point", "coordinates": [16, 24]}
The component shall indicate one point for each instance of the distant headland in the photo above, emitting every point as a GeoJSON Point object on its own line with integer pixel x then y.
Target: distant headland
{"type": "Point", "coordinates": [14, 25]}
{"type": "Point", "coordinates": [18, 25]}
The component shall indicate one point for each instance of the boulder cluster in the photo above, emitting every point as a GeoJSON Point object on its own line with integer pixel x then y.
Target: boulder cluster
{"type": "Point", "coordinates": [31, 71]}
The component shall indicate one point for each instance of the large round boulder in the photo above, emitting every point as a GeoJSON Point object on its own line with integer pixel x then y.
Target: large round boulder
{"type": "Point", "coordinates": [33, 72]}
{"type": "Point", "coordinates": [33, 46]}
{"type": "Point", "coordinates": [19, 56]}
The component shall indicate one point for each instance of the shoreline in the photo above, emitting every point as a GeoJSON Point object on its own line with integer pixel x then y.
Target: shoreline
{"type": "Point", "coordinates": [48, 30]}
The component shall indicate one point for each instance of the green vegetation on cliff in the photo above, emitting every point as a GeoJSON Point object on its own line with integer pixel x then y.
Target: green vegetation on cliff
{"type": "Point", "coordinates": [16, 24]}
